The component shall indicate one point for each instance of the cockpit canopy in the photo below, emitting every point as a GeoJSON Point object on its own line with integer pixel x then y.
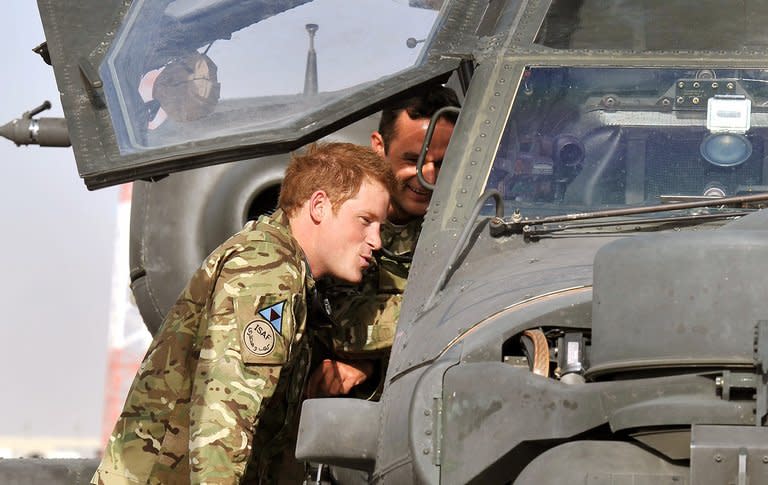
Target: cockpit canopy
{"type": "Point", "coordinates": [151, 87]}
{"type": "Point", "coordinates": [183, 71]}
{"type": "Point", "coordinates": [155, 86]}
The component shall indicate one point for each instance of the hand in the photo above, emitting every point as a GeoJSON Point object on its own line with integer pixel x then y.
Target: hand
{"type": "Point", "coordinates": [333, 377]}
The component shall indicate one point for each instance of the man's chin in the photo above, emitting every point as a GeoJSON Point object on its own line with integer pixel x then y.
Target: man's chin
{"type": "Point", "coordinates": [352, 278]}
{"type": "Point", "coordinates": [408, 211]}
{"type": "Point", "coordinates": [417, 209]}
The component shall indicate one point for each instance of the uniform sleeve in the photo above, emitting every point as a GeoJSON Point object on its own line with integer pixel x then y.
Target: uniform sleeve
{"type": "Point", "coordinates": [370, 322]}
{"type": "Point", "coordinates": [247, 340]}
{"type": "Point", "coordinates": [366, 315]}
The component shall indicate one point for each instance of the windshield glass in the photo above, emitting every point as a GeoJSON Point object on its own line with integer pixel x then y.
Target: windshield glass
{"type": "Point", "coordinates": [187, 70]}
{"type": "Point", "coordinates": [586, 139]}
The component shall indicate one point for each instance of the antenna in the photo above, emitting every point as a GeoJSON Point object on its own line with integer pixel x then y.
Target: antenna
{"type": "Point", "coordinates": [310, 76]}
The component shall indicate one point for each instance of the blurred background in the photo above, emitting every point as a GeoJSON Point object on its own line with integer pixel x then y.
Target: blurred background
{"type": "Point", "coordinates": [58, 244]}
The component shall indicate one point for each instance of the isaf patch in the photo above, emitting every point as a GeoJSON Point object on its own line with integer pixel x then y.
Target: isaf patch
{"type": "Point", "coordinates": [262, 339]}
{"type": "Point", "coordinates": [259, 337]}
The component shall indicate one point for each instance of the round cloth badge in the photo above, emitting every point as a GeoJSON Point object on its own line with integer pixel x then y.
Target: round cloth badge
{"type": "Point", "coordinates": [259, 337]}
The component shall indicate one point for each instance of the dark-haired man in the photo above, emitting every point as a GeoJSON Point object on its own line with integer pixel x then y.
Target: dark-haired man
{"type": "Point", "coordinates": [366, 315]}
{"type": "Point", "coordinates": [222, 381]}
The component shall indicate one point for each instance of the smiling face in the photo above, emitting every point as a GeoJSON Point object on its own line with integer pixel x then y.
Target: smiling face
{"type": "Point", "coordinates": [349, 235]}
{"type": "Point", "coordinates": [410, 200]}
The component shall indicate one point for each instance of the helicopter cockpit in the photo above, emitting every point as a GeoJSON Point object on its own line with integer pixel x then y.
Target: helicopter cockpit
{"type": "Point", "coordinates": [594, 138]}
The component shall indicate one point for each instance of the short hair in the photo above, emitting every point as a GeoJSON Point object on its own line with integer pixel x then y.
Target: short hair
{"type": "Point", "coordinates": [339, 169]}
{"type": "Point", "coordinates": [421, 103]}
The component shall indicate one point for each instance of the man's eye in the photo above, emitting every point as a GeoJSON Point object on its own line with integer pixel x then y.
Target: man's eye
{"type": "Point", "coordinates": [365, 220]}
{"type": "Point", "coordinates": [411, 161]}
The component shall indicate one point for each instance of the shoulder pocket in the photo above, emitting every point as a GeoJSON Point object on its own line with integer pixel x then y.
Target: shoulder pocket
{"type": "Point", "coordinates": [262, 328]}
{"type": "Point", "coordinates": [393, 276]}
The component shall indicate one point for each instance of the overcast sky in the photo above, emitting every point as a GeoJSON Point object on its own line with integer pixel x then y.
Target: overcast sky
{"type": "Point", "coordinates": [57, 243]}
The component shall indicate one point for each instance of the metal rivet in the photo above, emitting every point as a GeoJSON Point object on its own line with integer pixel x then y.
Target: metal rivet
{"type": "Point", "coordinates": [425, 451]}
{"type": "Point", "coordinates": [718, 458]}
{"type": "Point", "coordinates": [427, 412]}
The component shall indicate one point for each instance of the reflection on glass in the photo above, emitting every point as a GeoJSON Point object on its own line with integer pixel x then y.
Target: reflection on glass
{"type": "Point", "coordinates": [187, 70]}
{"type": "Point", "coordinates": [584, 139]}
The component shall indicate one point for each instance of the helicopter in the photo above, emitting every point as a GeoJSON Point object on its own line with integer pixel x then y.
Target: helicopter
{"type": "Point", "coordinates": [584, 303]}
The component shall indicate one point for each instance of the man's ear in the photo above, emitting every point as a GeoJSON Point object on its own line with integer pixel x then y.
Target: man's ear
{"type": "Point", "coordinates": [377, 144]}
{"type": "Point", "coordinates": [319, 206]}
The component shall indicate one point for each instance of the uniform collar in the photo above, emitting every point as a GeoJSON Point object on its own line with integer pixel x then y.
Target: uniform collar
{"type": "Point", "coordinates": [280, 218]}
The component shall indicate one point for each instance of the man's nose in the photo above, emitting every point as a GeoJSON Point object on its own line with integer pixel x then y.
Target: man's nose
{"type": "Point", "coordinates": [374, 237]}
{"type": "Point", "coordinates": [429, 171]}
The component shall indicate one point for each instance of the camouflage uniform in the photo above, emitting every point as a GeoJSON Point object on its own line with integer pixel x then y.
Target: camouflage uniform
{"type": "Point", "coordinates": [223, 378]}
{"type": "Point", "coordinates": [366, 315]}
